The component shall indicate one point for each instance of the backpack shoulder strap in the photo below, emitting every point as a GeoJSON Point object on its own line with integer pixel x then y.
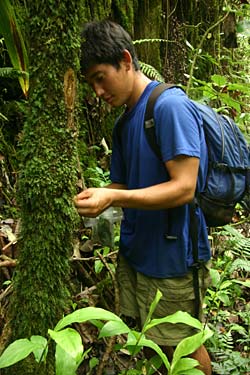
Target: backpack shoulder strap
{"type": "Point", "coordinates": [149, 124]}
{"type": "Point", "coordinates": [153, 97]}
{"type": "Point", "coordinates": [151, 137]}
{"type": "Point", "coordinates": [148, 118]}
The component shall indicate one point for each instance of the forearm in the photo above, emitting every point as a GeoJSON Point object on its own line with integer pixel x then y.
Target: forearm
{"type": "Point", "coordinates": [177, 191]}
{"type": "Point", "coordinates": [161, 196]}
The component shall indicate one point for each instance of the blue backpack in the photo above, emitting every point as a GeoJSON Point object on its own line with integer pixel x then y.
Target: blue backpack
{"type": "Point", "coordinates": [228, 177]}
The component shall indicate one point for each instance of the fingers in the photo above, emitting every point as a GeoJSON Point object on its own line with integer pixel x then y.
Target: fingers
{"type": "Point", "coordinates": [88, 203]}
{"type": "Point", "coordinates": [83, 195]}
{"type": "Point", "coordinates": [86, 213]}
{"type": "Point", "coordinates": [93, 201]}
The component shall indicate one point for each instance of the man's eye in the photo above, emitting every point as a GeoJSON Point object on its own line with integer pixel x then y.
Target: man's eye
{"type": "Point", "coordinates": [99, 78]}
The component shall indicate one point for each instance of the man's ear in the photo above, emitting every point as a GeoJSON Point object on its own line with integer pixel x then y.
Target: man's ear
{"type": "Point", "coordinates": [127, 58]}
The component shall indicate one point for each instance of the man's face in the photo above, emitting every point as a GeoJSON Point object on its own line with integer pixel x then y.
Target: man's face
{"type": "Point", "coordinates": [109, 83]}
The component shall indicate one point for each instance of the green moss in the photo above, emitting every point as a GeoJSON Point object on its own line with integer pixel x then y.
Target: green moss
{"type": "Point", "coordinates": [48, 176]}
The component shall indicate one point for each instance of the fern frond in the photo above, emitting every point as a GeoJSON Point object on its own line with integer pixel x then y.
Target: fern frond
{"type": "Point", "coordinates": [232, 363]}
{"type": "Point", "coordinates": [225, 342]}
{"type": "Point", "coordinates": [240, 245]}
{"type": "Point", "coordinates": [152, 40]}
{"type": "Point", "coordinates": [9, 72]}
{"type": "Point", "coordinates": [151, 72]}
{"type": "Point", "coordinates": [240, 264]}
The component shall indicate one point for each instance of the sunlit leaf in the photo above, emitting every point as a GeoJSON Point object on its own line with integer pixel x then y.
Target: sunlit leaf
{"type": "Point", "coordinates": [14, 42]}
{"type": "Point", "coordinates": [87, 313]}
{"type": "Point", "coordinates": [230, 102]}
{"type": "Point", "coordinates": [215, 277]}
{"type": "Point", "coordinates": [226, 284]}
{"type": "Point", "coordinates": [70, 341]}
{"type": "Point", "coordinates": [113, 328]}
{"type": "Point", "coordinates": [65, 364]}
{"type": "Point", "coordinates": [150, 344]}
{"type": "Point", "coordinates": [93, 362]}
{"type": "Point", "coordinates": [244, 283]}
{"type": "Point", "coordinates": [193, 371]}
{"type": "Point", "coordinates": [15, 352]}
{"type": "Point", "coordinates": [244, 88]}
{"type": "Point", "coordinates": [178, 317]}
{"type": "Point", "coordinates": [223, 297]}
{"type": "Point", "coordinates": [41, 350]}
{"type": "Point", "coordinates": [190, 344]}
{"type": "Point", "coordinates": [219, 80]}
{"type": "Point", "coordinates": [154, 303]}
{"type": "Point", "coordinates": [183, 365]}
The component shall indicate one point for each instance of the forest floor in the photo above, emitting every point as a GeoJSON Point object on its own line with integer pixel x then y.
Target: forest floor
{"type": "Point", "coordinates": [226, 308]}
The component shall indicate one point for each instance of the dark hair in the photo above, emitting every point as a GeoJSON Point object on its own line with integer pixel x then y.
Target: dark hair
{"type": "Point", "coordinates": [103, 42]}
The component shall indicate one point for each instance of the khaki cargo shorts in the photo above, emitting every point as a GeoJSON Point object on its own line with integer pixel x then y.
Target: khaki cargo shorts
{"type": "Point", "coordinates": [137, 292]}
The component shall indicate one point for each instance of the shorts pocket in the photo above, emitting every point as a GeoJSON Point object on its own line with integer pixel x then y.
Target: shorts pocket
{"type": "Point", "coordinates": [177, 295]}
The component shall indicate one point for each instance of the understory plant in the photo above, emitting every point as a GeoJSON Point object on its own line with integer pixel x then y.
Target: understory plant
{"type": "Point", "coordinates": [227, 302]}
{"type": "Point", "coordinates": [70, 351]}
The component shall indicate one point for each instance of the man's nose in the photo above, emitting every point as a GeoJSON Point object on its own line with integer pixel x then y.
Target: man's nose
{"type": "Point", "coordinates": [98, 90]}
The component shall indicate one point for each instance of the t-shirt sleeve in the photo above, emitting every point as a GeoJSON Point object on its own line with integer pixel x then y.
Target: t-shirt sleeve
{"type": "Point", "coordinates": [178, 126]}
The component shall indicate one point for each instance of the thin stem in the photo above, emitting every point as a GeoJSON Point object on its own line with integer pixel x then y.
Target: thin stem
{"type": "Point", "coordinates": [199, 48]}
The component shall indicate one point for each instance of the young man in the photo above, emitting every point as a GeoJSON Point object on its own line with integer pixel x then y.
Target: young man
{"type": "Point", "coordinates": [155, 244]}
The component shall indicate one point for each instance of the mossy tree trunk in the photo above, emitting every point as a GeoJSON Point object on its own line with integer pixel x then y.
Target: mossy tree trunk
{"type": "Point", "coordinates": [48, 175]}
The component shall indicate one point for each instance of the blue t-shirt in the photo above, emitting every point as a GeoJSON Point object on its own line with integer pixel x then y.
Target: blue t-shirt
{"type": "Point", "coordinates": [143, 240]}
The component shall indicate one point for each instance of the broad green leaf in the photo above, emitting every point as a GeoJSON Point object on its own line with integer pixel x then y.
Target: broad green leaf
{"type": "Point", "coordinates": [190, 344]}
{"type": "Point", "coordinates": [178, 317]}
{"type": "Point", "coordinates": [133, 340]}
{"type": "Point", "coordinates": [226, 284]}
{"type": "Point", "coordinates": [152, 307]}
{"type": "Point", "coordinates": [215, 277]}
{"type": "Point", "coordinates": [14, 43]}
{"type": "Point", "coordinates": [98, 266]}
{"type": "Point", "coordinates": [219, 80]}
{"type": "Point", "coordinates": [93, 362]}
{"type": "Point", "coordinates": [244, 283]}
{"type": "Point", "coordinates": [150, 344]}
{"type": "Point", "coordinates": [65, 364]}
{"type": "Point", "coordinates": [87, 313]}
{"type": "Point", "coordinates": [41, 350]}
{"type": "Point", "coordinates": [15, 352]}
{"type": "Point", "coordinates": [154, 362]}
{"type": "Point", "coordinates": [113, 328]}
{"type": "Point", "coordinates": [70, 341]}
{"type": "Point", "coordinates": [133, 371]}
{"type": "Point", "coordinates": [230, 102]}
{"type": "Point", "coordinates": [183, 365]}
{"type": "Point", "coordinates": [223, 297]}
{"type": "Point", "coordinates": [239, 87]}
{"type": "Point", "coordinates": [193, 371]}
{"type": "Point", "coordinates": [97, 323]}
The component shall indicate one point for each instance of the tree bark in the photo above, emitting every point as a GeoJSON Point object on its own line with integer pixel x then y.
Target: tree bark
{"type": "Point", "coordinates": [48, 175]}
